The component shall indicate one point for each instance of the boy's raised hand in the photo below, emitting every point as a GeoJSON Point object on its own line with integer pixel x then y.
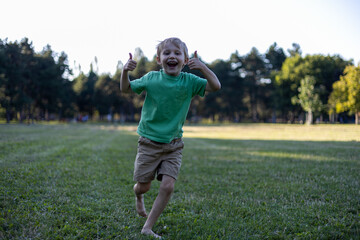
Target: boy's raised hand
{"type": "Point", "coordinates": [213, 83]}
{"type": "Point", "coordinates": [195, 63]}
{"type": "Point", "coordinates": [131, 64]}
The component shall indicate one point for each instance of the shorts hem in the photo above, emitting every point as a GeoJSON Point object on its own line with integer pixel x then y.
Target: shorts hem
{"type": "Point", "coordinates": [159, 176]}
{"type": "Point", "coordinates": [143, 180]}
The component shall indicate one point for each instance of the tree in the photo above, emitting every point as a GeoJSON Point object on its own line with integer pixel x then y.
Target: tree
{"type": "Point", "coordinates": [346, 93]}
{"type": "Point", "coordinates": [325, 69]}
{"type": "Point", "coordinates": [31, 84]}
{"type": "Point", "coordinates": [66, 100]}
{"type": "Point", "coordinates": [16, 62]}
{"type": "Point", "coordinates": [275, 56]}
{"type": "Point", "coordinates": [224, 103]}
{"type": "Point", "coordinates": [48, 82]}
{"type": "Point", "coordinates": [296, 50]}
{"type": "Point", "coordinates": [287, 82]}
{"type": "Point", "coordinates": [66, 97]}
{"type": "Point", "coordinates": [142, 64]}
{"type": "Point", "coordinates": [308, 98]}
{"type": "Point", "coordinates": [106, 95]}
{"type": "Point", "coordinates": [8, 85]}
{"type": "Point", "coordinates": [153, 65]}
{"type": "Point", "coordinates": [83, 87]}
{"type": "Point", "coordinates": [138, 54]}
{"type": "Point", "coordinates": [123, 104]}
{"type": "Point", "coordinates": [254, 70]}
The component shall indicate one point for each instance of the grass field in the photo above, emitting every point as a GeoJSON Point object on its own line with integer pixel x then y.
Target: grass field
{"type": "Point", "coordinates": [254, 181]}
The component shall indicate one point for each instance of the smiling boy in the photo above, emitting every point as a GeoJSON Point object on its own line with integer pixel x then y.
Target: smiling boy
{"type": "Point", "coordinates": [168, 97]}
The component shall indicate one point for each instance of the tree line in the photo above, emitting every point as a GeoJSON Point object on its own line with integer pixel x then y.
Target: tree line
{"type": "Point", "coordinates": [276, 86]}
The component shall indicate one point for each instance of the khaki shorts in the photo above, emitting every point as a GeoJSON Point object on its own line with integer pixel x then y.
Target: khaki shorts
{"type": "Point", "coordinates": [156, 159]}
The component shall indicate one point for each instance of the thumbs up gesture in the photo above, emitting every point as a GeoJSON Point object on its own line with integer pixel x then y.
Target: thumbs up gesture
{"type": "Point", "coordinates": [131, 64]}
{"type": "Point", "coordinates": [195, 63]}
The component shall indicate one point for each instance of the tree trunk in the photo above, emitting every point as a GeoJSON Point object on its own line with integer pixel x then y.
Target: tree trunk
{"type": "Point", "coordinates": [273, 116]}
{"type": "Point", "coordinates": [47, 118]}
{"type": "Point", "coordinates": [309, 119]}
{"type": "Point", "coordinates": [22, 115]}
{"type": "Point", "coordinates": [332, 118]}
{"type": "Point", "coordinates": [8, 115]}
{"type": "Point", "coordinates": [357, 118]}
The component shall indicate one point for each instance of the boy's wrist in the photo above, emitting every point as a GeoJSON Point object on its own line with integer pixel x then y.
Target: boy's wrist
{"type": "Point", "coordinates": [204, 68]}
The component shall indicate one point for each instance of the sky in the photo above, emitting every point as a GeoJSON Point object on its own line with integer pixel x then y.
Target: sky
{"type": "Point", "coordinates": [110, 29]}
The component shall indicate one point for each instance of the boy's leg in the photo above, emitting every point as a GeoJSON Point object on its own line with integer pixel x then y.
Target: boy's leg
{"type": "Point", "coordinates": [140, 189]}
{"type": "Point", "coordinates": [165, 191]}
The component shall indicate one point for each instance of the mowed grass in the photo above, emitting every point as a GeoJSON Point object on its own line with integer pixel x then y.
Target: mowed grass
{"type": "Point", "coordinates": [247, 181]}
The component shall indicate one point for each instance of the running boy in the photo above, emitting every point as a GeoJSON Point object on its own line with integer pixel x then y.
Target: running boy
{"type": "Point", "coordinates": [168, 96]}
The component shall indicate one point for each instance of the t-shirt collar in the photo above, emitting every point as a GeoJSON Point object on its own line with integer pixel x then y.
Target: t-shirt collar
{"type": "Point", "coordinates": [169, 76]}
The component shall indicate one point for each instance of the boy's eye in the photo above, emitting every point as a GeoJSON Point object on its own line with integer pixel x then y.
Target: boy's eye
{"type": "Point", "coordinates": [166, 52]}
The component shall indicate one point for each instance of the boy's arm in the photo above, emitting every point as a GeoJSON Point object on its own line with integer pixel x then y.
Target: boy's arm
{"type": "Point", "coordinates": [213, 83]}
{"type": "Point", "coordinates": [124, 79]}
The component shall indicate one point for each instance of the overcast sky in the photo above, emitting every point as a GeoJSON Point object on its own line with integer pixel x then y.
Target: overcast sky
{"type": "Point", "coordinates": [110, 29]}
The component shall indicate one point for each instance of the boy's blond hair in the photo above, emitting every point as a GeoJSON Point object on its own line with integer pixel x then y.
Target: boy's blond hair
{"type": "Point", "coordinates": [176, 41]}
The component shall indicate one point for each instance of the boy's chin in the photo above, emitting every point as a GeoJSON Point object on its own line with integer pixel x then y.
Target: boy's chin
{"type": "Point", "coordinates": [172, 72]}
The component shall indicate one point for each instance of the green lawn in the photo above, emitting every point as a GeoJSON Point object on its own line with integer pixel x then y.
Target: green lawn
{"type": "Point", "coordinates": [247, 181]}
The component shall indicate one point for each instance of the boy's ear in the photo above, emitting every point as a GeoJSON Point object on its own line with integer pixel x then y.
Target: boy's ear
{"type": "Point", "coordinates": [186, 62]}
{"type": "Point", "coordinates": [158, 60]}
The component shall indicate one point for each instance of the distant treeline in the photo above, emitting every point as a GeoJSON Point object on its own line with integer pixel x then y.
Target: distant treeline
{"type": "Point", "coordinates": [271, 87]}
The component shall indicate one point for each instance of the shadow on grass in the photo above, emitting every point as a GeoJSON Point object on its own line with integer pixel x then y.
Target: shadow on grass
{"type": "Point", "coordinates": [269, 189]}
{"type": "Point", "coordinates": [249, 150]}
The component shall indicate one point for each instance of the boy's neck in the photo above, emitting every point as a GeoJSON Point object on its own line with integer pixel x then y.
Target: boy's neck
{"type": "Point", "coordinates": [162, 70]}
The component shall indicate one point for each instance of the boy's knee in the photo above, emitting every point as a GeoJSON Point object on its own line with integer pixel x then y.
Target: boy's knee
{"type": "Point", "coordinates": [141, 188]}
{"type": "Point", "coordinates": [167, 188]}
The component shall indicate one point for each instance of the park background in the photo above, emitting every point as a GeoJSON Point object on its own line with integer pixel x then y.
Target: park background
{"type": "Point", "coordinates": [305, 71]}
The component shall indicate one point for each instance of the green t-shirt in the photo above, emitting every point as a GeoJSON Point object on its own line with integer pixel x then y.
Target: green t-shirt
{"type": "Point", "coordinates": [166, 103]}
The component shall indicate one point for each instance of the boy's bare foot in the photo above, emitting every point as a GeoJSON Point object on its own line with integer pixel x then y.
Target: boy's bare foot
{"type": "Point", "coordinates": [140, 206]}
{"type": "Point", "coordinates": [139, 203]}
{"type": "Point", "coordinates": [149, 232]}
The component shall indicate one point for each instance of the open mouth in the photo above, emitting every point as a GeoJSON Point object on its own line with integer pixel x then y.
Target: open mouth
{"type": "Point", "coordinates": [172, 64]}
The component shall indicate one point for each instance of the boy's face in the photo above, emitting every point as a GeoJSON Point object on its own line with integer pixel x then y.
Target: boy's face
{"type": "Point", "coordinates": [172, 59]}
